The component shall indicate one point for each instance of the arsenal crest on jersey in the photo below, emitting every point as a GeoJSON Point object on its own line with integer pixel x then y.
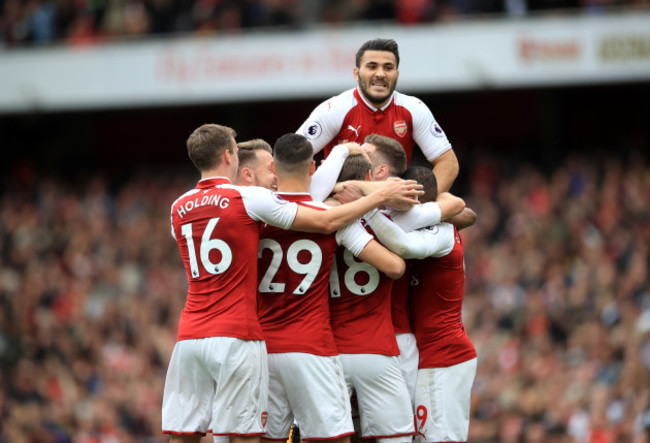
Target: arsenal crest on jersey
{"type": "Point", "coordinates": [400, 127]}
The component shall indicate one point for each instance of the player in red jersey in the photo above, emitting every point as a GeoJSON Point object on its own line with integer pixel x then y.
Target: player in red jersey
{"type": "Point", "coordinates": [374, 107]}
{"type": "Point", "coordinates": [255, 158]}
{"type": "Point", "coordinates": [217, 376]}
{"type": "Point", "coordinates": [447, 357]}
{"type": "Point", "coordinates": [305, 375]}
{"type": "Point", "coordinates": [388, 159]}
{"type": "Point", "coordinates": [365, 338]}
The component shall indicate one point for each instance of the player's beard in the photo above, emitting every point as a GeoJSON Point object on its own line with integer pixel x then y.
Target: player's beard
{"type": "Point", "coordinates": [364, 86]}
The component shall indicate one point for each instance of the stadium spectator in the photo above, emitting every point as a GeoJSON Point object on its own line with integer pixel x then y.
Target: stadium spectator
{"type": "Point", "coordinates": [38, 22]}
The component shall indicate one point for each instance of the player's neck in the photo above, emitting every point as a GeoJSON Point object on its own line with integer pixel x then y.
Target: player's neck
{"type": "Point", "coordinates": [293, 184]}
{"type": "Point", "coordinates": [373, 105]}
{"type": "Point", "coordinates": [218, 172]}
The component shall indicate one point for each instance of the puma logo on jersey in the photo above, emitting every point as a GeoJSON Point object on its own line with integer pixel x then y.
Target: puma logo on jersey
{"type": "Point", "coordinates": [356, 131]}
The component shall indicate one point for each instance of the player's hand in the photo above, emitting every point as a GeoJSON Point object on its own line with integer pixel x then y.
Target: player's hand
{"type": "Point", "coordinates": [348, 194]}
{"type": "Point", "coordinates": [355, 149]}
{"type": "Point", "coordinates": [401, 194]}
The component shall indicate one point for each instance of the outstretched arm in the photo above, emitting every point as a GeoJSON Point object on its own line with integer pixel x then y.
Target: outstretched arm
{"type": "Point", "coordinates": [429, 213]}
{"type": "Point", "coordinates": [435, 241]}
{"type": "Point", "coordinates": [311, 220]}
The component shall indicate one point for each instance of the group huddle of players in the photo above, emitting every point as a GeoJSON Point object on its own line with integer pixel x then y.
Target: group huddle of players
{"type": "Point", "coordinates": [318, 296]}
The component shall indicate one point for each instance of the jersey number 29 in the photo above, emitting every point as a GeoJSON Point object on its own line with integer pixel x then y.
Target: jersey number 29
{"type": "Point", "coordinates": [309, 269]}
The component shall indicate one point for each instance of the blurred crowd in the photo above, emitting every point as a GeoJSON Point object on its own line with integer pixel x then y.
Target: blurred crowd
{"type": "Point", "coordinates": [83, 22]}
{"type": "Point", "coordinates": [557, 304]}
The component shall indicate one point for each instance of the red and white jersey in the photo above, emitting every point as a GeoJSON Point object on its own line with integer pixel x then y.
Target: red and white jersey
{"type": "Point", "coordinates": [294, 272]}
{"type": "Point", "coordinates": [401, 302]}
{"type": "Point", "coordinates": [348, 117]}
{"type": "Point", "coordinates": [216, 226]}
{"type": "Point", "coordinates": [437, 301]}
{"type": "Point", "coordinates": [360, 307]}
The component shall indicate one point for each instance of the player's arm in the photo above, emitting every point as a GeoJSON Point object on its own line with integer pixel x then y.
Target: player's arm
{"type": "Point", "coordinates": [433, 242]}
{"type": "Point", "coordinates": [363, 245]}
{"type": "Point", "coordinates": [367, 187]}
{"type": "Point", "coordinates": [311, 220]}
{"type": "Point", "coordinates": [384, 260]}
{"type": "Point", "coordinates": [450, 205]}
{"type": "Point", "coordinates": [466, 218]}
{"type": "Point", "coordinates": [430, 137]}
{"type": "Point", "coordinates": [419, 216]}
{"type": "Point", "coordinates": [323, 124]}
{"type": "Point", "coordinates": [324, 179]}
{"type": "Point", "coordinates": [429, 213]}
{"type": "Point", "coordinates": [445, 168]}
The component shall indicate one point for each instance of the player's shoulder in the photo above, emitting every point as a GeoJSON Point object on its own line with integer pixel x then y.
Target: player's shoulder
{"type": "Point", "coordinates": [408, 101]}
{"type": "Point", "coordinates": [254, 192]}
{"type": "Point", "coordinates": [189, 193]}
{"type": "Point", "coordinates": [338, 104]}
{"type": "Point", "coordinates": [328, 117]}
{"type": "Point", "coordinates": [314, 204]}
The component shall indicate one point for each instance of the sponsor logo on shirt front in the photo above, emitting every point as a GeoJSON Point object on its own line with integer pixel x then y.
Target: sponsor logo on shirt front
{"type": "Point", "coordinates": [400, 127]}
{"type": "Point", "coordinates": [313, 130]}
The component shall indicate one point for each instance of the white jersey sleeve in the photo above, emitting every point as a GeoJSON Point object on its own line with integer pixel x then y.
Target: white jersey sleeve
{"type": "Point", "coordinates": [324, 179]}
{"type": "Point", "coordinates": [427, 133]}
{"type": "Point", "coordinates": [354, 237]}
{"type": "Point", "coordinates": [262, 204]}
{"type": "Point", "coordinates": [419, 216]}
{"type": "Point", "coordinates": [435, 241]}
{"type": "Point", "coordinates": [325, 121]}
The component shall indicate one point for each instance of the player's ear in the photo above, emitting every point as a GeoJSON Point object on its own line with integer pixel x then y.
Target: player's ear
{"type": "Point", "coordinates": [355, 72]}
{"type": "Point", "coordinates": [381, 172]}
{"type": "Point", "coordinates": [226, 156]}
{"type": "Point", "coordinates": [246, 173]}
{"type": "Point", "coordinates": [273, 168]}
{"type": "Point", "coordinates": [369, 175]}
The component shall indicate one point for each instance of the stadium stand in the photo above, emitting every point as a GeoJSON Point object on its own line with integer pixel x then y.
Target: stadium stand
{"type": "Point", "coordinates": [558, 289]}
{"type": "Point", "coordinates": [558, 303]}
{"type": "Point", "coordinates": [87, 22]}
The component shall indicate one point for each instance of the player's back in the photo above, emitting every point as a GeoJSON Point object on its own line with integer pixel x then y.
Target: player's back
{"type": "Point", "coordinates": [437, 301]}
{"type": "Point", "coordinates": [218, 243]}
{"type": "Point", "coordinates": [294, 270]}
{"type": "Point", "coordinates": [360, 307]}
